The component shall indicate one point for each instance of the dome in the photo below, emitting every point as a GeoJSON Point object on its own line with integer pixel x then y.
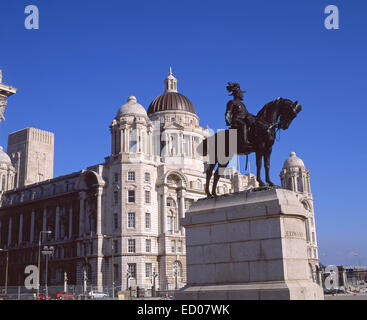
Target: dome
{"type": "Point", "coordinates": [293, 161]}
{"type": "Point", "coordinates": [171, 101]}
{"type": "Point", "coordinates": [132, 107]}
{"type": "Point", "coordinates": [4, 158]}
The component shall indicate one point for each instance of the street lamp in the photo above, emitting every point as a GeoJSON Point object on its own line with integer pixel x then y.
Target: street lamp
{"type": "Point", "coordinates": [39, 261]}
{"type": "Point", "coordinates": [6, 269]}
{"type": "Point", "coordinates": [47, 251]}
{"type": "Point", "coordinates": [112, 261]}
{"type": "Point", "coordinates": [154, 275]}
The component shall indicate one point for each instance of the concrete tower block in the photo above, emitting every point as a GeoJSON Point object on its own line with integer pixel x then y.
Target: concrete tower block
{"type": "Point", "coordinates": [32, 154]}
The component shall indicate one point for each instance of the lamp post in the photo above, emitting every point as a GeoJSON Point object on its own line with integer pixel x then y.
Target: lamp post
{"type": "Point", "coordinates": [6, 269]}
{"type": "Point", "coordinates": [47, 251]}
{"type": "Point", "coordinates": [112, 261]}
{"type": "Point", "coordinates": [39, 260]}
{"type": "Point", "coordinates": [154, 275]}
{"type": "Point", "coordinates": [65, 282]}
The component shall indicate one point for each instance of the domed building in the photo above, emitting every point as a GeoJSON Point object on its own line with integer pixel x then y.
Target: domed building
{"type": "Point", "coordinates": [117, 223]}
{"type": "Point", "coordinates": [294, 176]}
{"type": "Point", "coordinates": [7, 172]}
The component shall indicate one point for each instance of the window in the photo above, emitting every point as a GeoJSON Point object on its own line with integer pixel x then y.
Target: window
{"type": "Point", "coordinates": [131, 196]}
{"type": "Point", "coordinates": [116, 177]}
{"type": "Point", "coordinates": [115, 221]}
{"type": "Point", "coordinates": [131, 220]}
{"type": "Point", "coordinates": [169, 223]}
{"type": "Point", "coordinates": [132, 269]}
{"type": "Point", "coordinates": [148, 245]}
{"type": "Point", "coordinates": [131, 176]}
{"type": "Point", "coordinates": [179, 246]}
{"type": "Point", "coordinates": [177, 268]}
{"type": "Point", "coordinates": [299, 185]}
{"type": "Point", "coordinates": [199, 184]}
{"type": "Point", "coordinates": [147, 177]}
{"type": "Point", "coordinates": [170, 202]}
{"type": "Point", "coordinates": [173, 246]}
{"type": "Point", "coordinates": [115, 197]}
{"type": "Point", "coordinates": [313, 237]}
{"type": "Point", "coordinates": [148, 270]}
{"type": "Point", "coordinates": [131, 245]}
{"type": "Point", "coordinates": [147, 196]}
{"type": "Point", "coordinates": [147, 220]}
{"type": "Point", "coordinates": [132, 146]}
{"type": "Point", "coordinates": [115, 246]}
{"type": "Point", "coordinates": [307, 230]}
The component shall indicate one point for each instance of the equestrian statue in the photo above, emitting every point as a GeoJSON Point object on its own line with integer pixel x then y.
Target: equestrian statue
{"type": "Point", "coordinates": [252, 134]}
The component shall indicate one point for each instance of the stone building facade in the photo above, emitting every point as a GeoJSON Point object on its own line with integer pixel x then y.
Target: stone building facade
{"type": "Point", "coordinates": [32, 154]}
{"type": "Point", "coordinates": [119, 219]}
{"type": "Point", "coordinates": [294, 176]}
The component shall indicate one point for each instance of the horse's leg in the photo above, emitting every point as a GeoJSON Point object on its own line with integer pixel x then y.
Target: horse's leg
{"type": "Point", "coordinates": [259, 156]}
{"type": "Point", "coordinates": [217, 177]}
{"type": "Point", "coordinates": [267, 155]}
{"type": "Point", "coordinates": [209, 172]}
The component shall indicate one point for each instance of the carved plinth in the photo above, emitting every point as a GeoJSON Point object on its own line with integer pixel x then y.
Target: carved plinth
{"type": "Point", "coordinates": [249, 245]}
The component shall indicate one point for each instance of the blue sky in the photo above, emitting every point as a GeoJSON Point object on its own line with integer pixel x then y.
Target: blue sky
{"type": "Point", "coordinates": [88, 56]}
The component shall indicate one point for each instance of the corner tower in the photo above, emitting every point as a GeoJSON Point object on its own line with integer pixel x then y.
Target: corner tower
{"type": "Point", "coordinates": [294, 176]}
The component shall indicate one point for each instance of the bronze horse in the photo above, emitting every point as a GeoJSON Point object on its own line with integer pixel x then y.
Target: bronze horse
{"type": "Point", "coordinates": [277, 114]}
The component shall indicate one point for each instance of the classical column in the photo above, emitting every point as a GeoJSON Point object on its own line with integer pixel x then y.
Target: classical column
{"type": "Point", "coordinates": [122, 140]}
{"type": "Point", "coordinates": [31, 238]}
{"type": "Point", "coordinates": [20, 237]}
{"type": "Point", "coordinates": [182, 194]}
{"type": "Point", "coordinates": [99, 210]}
{"type": "Point", "coordinates": [150, 143]}
{"type": "Point", "coordinates": [138, 140]}
{"type": "Point", "coordinates": [71, 221]}
{"type": "Point", "coordinates": [57, 223]}
{"type": "Point", "coordinates": [127, 139]}
{"type": "Point", "coordinates": [182, 145]}
{"type": "Point", "coordinates": [81, 213]}
{"type": "Point", "coordinates": [192, 146]}
{"type": "Point", "coordinates": [164, 210]}
{"type": "Point", "coordinates": [9, 231]}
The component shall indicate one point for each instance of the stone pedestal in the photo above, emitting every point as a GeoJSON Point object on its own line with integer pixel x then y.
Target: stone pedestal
{"type": "Point", "coordinates": [248, 245]}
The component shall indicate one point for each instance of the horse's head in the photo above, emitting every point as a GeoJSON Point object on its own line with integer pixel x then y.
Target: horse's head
{"type": "Point", "coordinates": [288, 111]}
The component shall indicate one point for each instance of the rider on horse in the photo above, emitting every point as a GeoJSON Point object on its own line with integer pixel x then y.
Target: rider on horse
{"type": "Point", "coordinates": [236, 114]}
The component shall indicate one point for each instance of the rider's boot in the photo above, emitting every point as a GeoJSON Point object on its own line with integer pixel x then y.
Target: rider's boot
{"type": "Point", "coordinates": [246, 143]}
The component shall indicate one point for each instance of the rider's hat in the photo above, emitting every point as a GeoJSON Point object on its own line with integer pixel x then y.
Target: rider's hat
{"type": "Point", "coordinates": [234, 87]}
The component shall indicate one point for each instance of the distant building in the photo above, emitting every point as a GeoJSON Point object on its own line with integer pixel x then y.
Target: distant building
{"type": "Point", "coordinates": [32, 154]}
{"type": "Point", "coordinates": [294, 176]}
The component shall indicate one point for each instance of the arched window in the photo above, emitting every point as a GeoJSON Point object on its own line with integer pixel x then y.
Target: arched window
{"type": "Point", "coordinates": [177, 269]}
{"type": "Point", "coordinates": [290, 187]}
{"type": "Point", "coordinates": [299, 185]}
{"type": "Point", "coordinates": [133, 141]}
{"type": "Point", "coordinates": [199, 184]}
